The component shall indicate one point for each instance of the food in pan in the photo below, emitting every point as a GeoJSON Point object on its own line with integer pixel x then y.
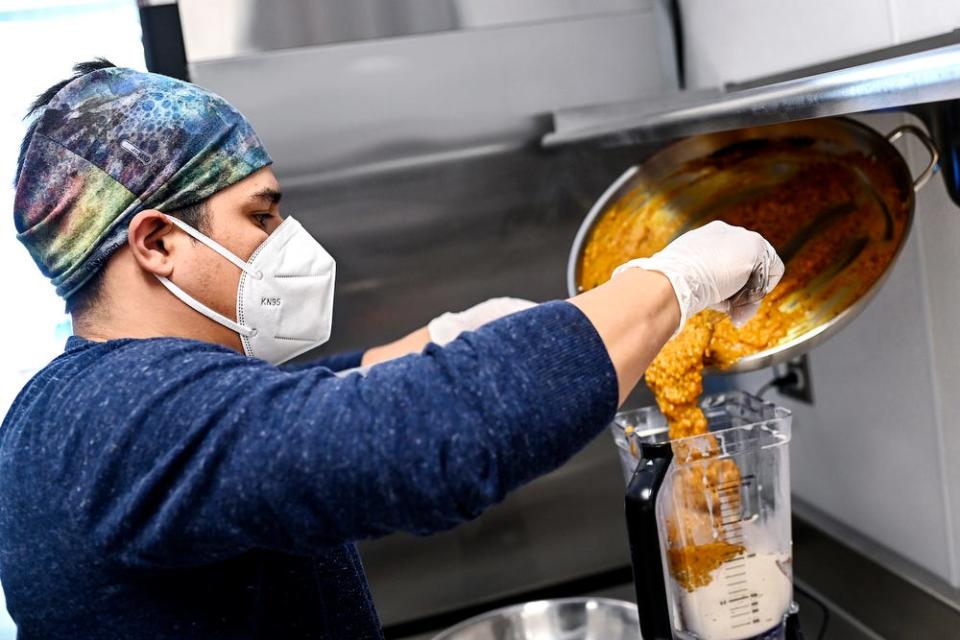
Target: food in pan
{"type": "Point", "coordinates": [829, 219]}
{"type": "Point", "coordinates": [824, 217]}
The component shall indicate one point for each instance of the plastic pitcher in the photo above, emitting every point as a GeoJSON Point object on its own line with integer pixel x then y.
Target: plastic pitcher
{"type": "Point", "coordinates": [709, 525]}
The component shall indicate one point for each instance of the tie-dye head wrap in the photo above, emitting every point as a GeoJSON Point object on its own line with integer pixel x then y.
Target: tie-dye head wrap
{"type": "Point", "coordinates": [115, 142]}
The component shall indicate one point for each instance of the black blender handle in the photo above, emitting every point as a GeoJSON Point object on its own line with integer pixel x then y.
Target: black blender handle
{"type": "Point", "coordinates": [794, 631]}
{"type": "Point", "coordinates": [644, 536]}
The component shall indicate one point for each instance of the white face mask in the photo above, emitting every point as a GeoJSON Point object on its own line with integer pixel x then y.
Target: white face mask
{"type": "Point", "coordinates": [285, 296]}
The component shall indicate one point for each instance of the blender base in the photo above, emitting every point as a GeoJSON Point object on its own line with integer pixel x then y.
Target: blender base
{"type": "Point", "coordinates": [793, 631]}
{"type": "Point", "coordinates": [789, 629]}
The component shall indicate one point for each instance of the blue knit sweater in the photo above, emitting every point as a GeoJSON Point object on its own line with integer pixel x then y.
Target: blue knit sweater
{"type": "Point", "coordinates": [168, 488]}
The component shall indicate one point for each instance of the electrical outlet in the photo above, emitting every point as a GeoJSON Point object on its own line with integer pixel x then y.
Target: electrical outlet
{"type": "Point", "coordinates": [798, 385]}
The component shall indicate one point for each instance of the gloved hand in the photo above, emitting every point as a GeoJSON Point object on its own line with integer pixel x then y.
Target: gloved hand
{"type": "Point", "coordinates": [445, 328]}
{"type": "Point", "coordinates": [709, 265]}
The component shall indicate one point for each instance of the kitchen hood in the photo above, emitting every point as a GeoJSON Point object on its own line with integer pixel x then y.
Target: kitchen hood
{"type": "Point", "coordinates": [922, 77]}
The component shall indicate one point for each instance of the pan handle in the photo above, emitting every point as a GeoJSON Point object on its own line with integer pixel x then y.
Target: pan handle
{"type": "Point", "coordinates": [921, 135]}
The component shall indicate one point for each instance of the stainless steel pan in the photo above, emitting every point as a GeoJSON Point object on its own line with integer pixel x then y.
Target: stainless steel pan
{"type": "Point", "coordinates": [693, 201]}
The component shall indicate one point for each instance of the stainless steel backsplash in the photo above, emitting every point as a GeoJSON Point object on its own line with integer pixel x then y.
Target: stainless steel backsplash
{"type": "Point", "coordinates": [415, 161]}
{"type": "Point", "coordinates": [370, 106]}
{"type": "Point", "coordinates": [251, 26]}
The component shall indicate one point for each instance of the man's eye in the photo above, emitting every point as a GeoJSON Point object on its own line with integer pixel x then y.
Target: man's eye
{"type": "Point", "coordinates": [262, 219]}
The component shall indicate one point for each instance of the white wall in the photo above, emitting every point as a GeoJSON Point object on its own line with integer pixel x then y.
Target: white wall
{"type": "Point", "coordinates": [880, 448]}
{"type": "Point", "coordinates": [35, 326]}
{"type": "Point", "coordinates": [736, 40]}
{"type": "Point", "coordinates": [876, 450]}
{"type": "Point", "coordinates": [872, 450]}
{"type": "Point", "coordinates": [938, 227]}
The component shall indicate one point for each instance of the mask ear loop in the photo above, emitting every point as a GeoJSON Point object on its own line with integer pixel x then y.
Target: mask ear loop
{"type": "Point", "coordinates": [199, 307]}
{"type": "Point", "coordinates": [216, 246]}
{"type": "Point", "coordinates": [195, 304]}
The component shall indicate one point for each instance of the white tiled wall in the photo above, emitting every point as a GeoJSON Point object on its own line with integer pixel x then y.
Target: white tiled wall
{"type": "Point", "coordinates": [735, 40]}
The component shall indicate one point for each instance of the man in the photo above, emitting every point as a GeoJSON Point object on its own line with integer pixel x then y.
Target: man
{"type": "Point", "coordinates": [164, 478]}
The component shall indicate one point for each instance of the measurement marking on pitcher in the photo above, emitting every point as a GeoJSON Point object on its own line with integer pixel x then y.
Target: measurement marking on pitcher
{"type": "Point", "coordinates": [743, 606]}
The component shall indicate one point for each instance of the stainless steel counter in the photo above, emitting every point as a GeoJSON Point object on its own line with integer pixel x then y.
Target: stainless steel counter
{"type": "Point", "coordinates": [859, 599]}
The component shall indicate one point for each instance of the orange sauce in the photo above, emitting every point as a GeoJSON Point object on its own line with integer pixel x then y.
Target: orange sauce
{"type": "Point", "coordinates": [836, 221]}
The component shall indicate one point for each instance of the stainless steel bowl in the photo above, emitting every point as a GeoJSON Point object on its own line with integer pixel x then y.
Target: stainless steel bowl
{"type": "Point", "coordinates": [566, 619]}
{"type": "Point", "coordinates": [689, 201]}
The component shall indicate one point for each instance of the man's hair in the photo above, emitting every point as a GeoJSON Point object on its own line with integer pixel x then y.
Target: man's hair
{"type": "Point", "coordinates": [195, 215]}
{"type": "Point", "coordinates": [91, 294]}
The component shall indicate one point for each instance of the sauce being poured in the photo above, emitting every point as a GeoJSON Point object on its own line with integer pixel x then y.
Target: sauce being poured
{"type": "Point", "coordinates": [836, 222]}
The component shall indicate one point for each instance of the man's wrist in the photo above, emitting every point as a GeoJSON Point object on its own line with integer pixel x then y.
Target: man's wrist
{"type": "Point", "coordinates": [411, 343]}
{"type": "Point", "coordinates": [658, 290]}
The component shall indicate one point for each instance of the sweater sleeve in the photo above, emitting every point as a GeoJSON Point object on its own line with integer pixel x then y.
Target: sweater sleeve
{"type": "Point", "coordinates": [234, 454]}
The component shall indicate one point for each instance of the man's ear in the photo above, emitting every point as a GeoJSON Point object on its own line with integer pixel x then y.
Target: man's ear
{"type": "Point", "coordinates": [149, 236]}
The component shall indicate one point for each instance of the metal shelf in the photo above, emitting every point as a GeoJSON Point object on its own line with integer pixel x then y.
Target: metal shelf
{"type": "Point", "coordinates": [896, 79]}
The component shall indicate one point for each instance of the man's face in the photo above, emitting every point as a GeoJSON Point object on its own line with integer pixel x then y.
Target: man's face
{"type": "Point", "coordinates": [240, 218]}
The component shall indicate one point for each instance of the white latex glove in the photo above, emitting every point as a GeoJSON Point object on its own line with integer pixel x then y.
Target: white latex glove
{"type": "Point", "coordinates": [709, 265]}
{"type": "Point", "coordinates": [446, 328]}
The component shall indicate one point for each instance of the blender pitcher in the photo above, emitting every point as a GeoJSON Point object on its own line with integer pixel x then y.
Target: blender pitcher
{"type": "Point", "coordinates": [709, 523]}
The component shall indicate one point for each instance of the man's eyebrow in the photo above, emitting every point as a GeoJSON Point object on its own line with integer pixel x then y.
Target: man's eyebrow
{"type": "Point", "coordinates": [270, 195]}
